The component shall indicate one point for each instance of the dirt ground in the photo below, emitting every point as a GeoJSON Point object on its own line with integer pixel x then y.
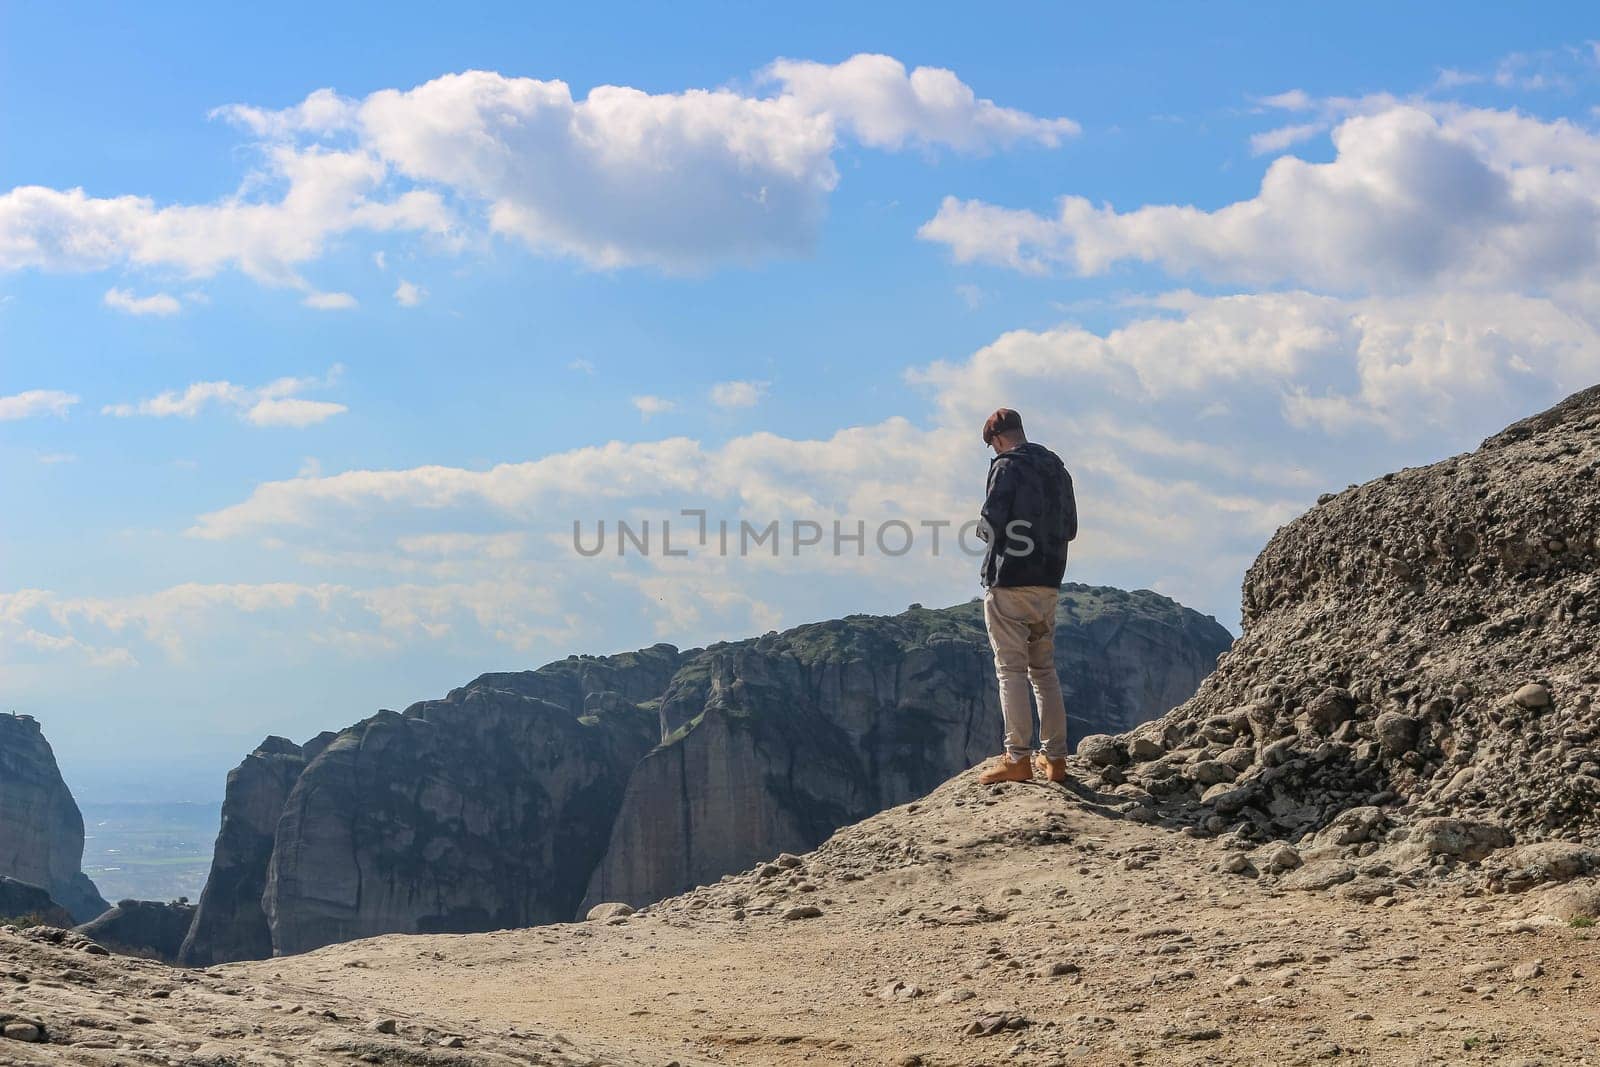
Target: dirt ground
{"type": "Point", "coordinates": [1013, 924]}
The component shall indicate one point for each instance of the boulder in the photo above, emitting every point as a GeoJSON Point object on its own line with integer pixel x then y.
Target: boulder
{"type": "Point", "coordinates": [1549, 861]}
{"type": "Point", "coordinates": [1283, 858]}
{"type": "Point", "coordinates": [1396, 732]}
{"type": "Point", "coordinates": [1102, 750]}
{"type": "Point", "coordinates": [1463, 839]}
{"type": "Point", "coordinates": [1353, 826]}
{"type": "Point", "coordinates": [1323, 874]}
{"type": "Point", "coordinates": [1330, 708]}
{"type": "Point", "coordinates": [1143, 747]}
{"type": "Point", "coordinates": [1210, 772]}
{"type": "Point", "coordinates": [1532, 696]}
{"type": "Point", "coordinates": [1239, 758]}
{"type": "Point", "coordinates": [1572, 900]}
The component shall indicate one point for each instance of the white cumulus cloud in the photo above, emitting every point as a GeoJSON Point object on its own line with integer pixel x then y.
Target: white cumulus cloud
{"type": "Point", "coordinates": [36, 402]}
{"type": "Point", "coordinates": [409, 294]}
{"type": "Point", "coordinates": [1276, 140]}
{"type": "Point", "coordinates": [1416, 197]}
{"type": "Point", "coordinates": [155, 304]}
{"type": "Point", "coordinates": [277, 403]}
{"type": "Point", "coordinates": [1192, 432]}
{"type": "Point", "coordinates": [291, 411]}
{"type": "Point", "coordinates": [321, 194]}
{"type": "Point", "coordinates": [679, 181]}
{"type": "Point", "coordinates": [738, 394]}
{"type": "Point", "coordinates": [329, 301]}
{"type": "Point", "coordinates": [885, 107]}
{"type": "Point", "coordinates": [1161, 420]}
{"type": "Point", "coordinates": [648, 405]}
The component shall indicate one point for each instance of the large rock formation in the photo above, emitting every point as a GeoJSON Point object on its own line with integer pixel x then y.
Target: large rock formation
{"type": "Point", "coordinates": [41, 829]}
{"type": "Point", "coordinates": [516, 797]}
{"type": "Point", "coordinates": [468, 814]}
{"type": "Point", "coordinates": [1419, 667]}
{"type": "Point", "coordinates": [797, 734]}
{"type": "Point", "coordinates": [148, 928]}
{"type": "Point", "coordinates": [229, 923]}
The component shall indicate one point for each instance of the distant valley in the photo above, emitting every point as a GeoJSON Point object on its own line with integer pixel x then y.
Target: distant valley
{"type": "Point", "coordinates": [149, 851]}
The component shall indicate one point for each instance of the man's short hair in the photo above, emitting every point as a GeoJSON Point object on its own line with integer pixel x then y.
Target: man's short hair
{"type": "Point", "coordinates": [1004, 420]}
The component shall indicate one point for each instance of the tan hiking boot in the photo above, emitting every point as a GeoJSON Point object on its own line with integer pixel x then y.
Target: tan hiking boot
{"type": "Point", "coordinates": [1054, 770]}
{"type": "Point", "coordinates": [1006, 769]}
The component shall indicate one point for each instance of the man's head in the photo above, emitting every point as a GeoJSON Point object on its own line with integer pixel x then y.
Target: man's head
{"type": "Point", "coordinates": [1002, 431]}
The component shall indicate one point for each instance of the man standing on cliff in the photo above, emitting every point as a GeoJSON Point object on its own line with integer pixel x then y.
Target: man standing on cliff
{"type": "Point", "coordinates": [1029, 515]}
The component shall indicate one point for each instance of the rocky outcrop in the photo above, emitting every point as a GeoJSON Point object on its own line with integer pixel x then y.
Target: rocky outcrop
{"type": "Point", "coordinates": [484, 810]}
{"type": "Point", "coordinates": [230, 923]}
{"type": "Point", "coordinates": [523, 797]}
{"type": "Point", "coordinates": [29, 905]}
{"type": "Point", "coordinates": [147, 928]}
{"type": "Point", "coordinates": [800, 733]}
{"type": "Point", "coordinates": [1419, 669]}
{"type": "Point", "coordinates": [41, 829]}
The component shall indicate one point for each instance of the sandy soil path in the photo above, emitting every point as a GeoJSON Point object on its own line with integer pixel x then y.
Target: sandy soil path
{"type": "Point", "coordinates": [1102, 940]}
{"type": "Point", "coordinates": [1018, 924]}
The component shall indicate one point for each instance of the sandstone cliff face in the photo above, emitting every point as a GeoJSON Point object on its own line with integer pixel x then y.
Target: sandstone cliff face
{"type": "Point", "coordinates": [1419, 664]}
{"type": "Point", "coordinates": [230, 923]}
{"type": "Point", "coordinates": [484, 810]}
{"type": "Point", "coordinates": [520, 796]}
{"type": "Point", "coordinates": [803, 732]}
{"type": "Point", "coordinates": [41, 829]}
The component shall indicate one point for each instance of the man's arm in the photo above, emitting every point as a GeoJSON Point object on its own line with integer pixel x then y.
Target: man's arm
{"type": "Point", "coordinates": [1069, 507]}
{"type": "Point", "coordinates": [998, 503]}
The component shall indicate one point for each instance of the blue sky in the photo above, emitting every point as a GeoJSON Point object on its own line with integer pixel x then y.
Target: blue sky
{"type": "Point", "coordinates": [302, 391]}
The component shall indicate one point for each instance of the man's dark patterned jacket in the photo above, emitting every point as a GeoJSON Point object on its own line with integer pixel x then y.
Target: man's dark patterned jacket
{"type": "Point", "coordinates": [1029, 515]}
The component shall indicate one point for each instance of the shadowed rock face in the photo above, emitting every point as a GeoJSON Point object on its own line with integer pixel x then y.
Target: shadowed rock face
{"type": "Point", "coordinates": [19, 900]}
{"type": "Point", "coordinates": [147, 928]}
{"type": "Point", "coordinates": [519, 796]}
{"type": "Point", "coordinates": [484, 810]}
{"type": "Point", "coordinates": [229, 923]}
{"type": "Point", "coordinates": [41, 829]}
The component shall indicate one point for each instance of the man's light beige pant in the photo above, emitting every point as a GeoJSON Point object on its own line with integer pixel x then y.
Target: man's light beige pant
{"type": "Point", "coordinates": [1022, 632]}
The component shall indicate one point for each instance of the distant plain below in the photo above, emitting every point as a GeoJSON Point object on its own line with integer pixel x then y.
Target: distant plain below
{"type": "Point", "coordinates": [149, 851]}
